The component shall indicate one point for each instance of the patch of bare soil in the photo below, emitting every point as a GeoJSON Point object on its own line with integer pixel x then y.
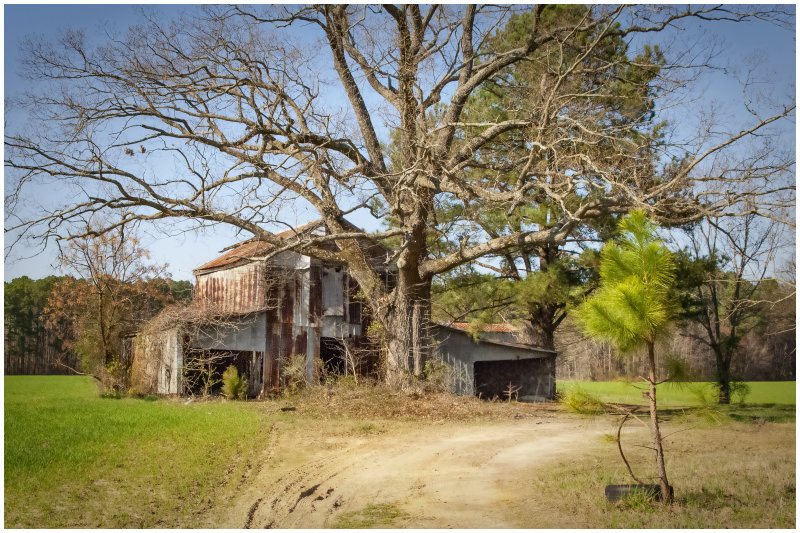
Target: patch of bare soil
{"type": "Point", "coordinates": [438, 474]}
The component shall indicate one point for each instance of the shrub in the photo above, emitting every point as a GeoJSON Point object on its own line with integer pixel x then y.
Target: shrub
{"type": "Point", "coordinates": [233, 386]}
{"type": "Point", "coordinates": [293, 370]}
{"type": "Point", "coordinates": [739, 390]}
{"type": "Point", "coordinates": [435, 376]}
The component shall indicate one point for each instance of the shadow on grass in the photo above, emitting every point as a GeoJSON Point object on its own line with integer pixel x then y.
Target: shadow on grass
{"type": "Point", "coordinates": [752, 413]}
{"type": "Point", "coordinates": [709, 499]}
{"type": "Point", "coordinates": [766, 412]}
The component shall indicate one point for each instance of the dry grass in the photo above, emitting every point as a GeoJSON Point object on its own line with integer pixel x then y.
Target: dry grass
{"type": "Point", "coordinates": [733, 475]}
{"type": "Point", "coordinates": [372, 401]}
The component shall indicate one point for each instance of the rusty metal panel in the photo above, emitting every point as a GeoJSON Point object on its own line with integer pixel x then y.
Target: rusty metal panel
{"type": "Point", "coordinates": [353, 303]}
{"type": "Point", "coordinates": [301, 289]}
{"type": "Point", "coordinates": [233, 290]}
{"type": "Point", "coordinates": [287, 301]}
{"type": "Point", "coordinates": [287, 340]}
{"type": "Point", "coordinates": [272, 357]}
{"type": "Point", "coordinates": [236, 255]}
{"type": "Point", "coordinates": [300, 341]}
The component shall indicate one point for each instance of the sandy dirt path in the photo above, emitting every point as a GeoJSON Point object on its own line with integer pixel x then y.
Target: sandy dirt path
{"type": "Point", "coordinates": [461, 476]}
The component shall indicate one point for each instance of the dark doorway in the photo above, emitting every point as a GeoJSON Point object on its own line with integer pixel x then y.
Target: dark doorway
{"type": "Point", "coordinates": [202, 370]}
{"type": "Point", "coordinates": [523, 377]}
{"type": "Point", "coordinates": [332, 353]}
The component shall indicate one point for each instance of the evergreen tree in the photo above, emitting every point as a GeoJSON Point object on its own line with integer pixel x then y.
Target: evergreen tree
{"type": "Point", "coordinates": [541, 282]}
{"type": "Point", "coordinates": [634, 305]}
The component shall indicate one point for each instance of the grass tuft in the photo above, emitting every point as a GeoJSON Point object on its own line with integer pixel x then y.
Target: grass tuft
{"type": "Point", "coordinates": [380, 515]}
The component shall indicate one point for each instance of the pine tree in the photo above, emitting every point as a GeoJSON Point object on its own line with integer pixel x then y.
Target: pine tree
{"type": "Point", "coordinates": [633, 305]}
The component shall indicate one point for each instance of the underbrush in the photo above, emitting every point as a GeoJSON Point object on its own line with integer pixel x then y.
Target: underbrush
{"type": "Point", "coordinates": [372, 400]}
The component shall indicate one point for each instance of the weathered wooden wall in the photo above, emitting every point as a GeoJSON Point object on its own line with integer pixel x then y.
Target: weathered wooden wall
{"type": "Point", "coordinates": [157, 359]}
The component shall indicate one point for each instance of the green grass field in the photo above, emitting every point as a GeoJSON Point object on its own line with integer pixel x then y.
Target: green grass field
{"type": "Point", "coordinates": [75, 459]}
{"type": "Point", "coordinates": [683, 394]}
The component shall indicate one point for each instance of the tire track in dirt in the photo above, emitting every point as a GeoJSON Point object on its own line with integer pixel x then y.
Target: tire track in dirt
{"type": "Point", "coordinates": [290, 499]}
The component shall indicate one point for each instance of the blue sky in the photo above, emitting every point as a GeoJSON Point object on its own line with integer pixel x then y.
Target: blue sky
{"type": "Point", "coordinates": [774, 47]}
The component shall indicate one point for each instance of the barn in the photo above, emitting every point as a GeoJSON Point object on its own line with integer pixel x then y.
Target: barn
{"type": "Point", "coordinates": [293, 304]}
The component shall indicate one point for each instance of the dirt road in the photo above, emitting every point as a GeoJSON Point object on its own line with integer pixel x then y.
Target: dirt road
{"type": "Point", "coordinates": [461, 476]}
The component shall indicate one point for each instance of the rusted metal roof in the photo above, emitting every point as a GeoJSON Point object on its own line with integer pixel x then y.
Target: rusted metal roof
{"type": "Point", "coordinates": [240, 253]}
{"type": "Point", "coordinates": [488, 328]}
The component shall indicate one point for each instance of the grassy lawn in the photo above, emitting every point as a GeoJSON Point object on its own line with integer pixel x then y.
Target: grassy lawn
{"type": "Point", "coordinates": [683, 394]}
{"type": "Point", "coordinates": [73, 459]}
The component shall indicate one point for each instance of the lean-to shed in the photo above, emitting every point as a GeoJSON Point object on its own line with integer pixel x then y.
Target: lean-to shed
{"type": "Point", "coordinates": [496, 365]}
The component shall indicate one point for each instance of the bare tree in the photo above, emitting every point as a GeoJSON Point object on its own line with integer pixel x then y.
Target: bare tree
{"type": "Point", "coordinates": [239, 116]}
{"type": "Point", "coordinates": [117, 289]}
{"type": "Point", "coordinates": [733, 259]}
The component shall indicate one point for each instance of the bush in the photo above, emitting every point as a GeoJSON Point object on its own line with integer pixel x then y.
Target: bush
{"type": "Point", "coordinates": [435, 376]}
{"type": "Point", "coordinates": [117, 377]}
{"type": "Point", "coordinates": [233, 386]}
{"type": "Point", "coordinates": [739, 390]}
{"type": "Point", "coordinates": [294, 373]}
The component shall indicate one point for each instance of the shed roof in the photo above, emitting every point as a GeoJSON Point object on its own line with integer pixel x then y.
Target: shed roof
{"type": "Point", "coordinates": [444, 328]}
{"type": "Point", "coordinates": [488, 328]}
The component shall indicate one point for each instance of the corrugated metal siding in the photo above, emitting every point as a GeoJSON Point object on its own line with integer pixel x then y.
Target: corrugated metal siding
{"type": "Point", "coordinates": [301, 300]}
{"type": "Point", "coordinates": [234, 290]}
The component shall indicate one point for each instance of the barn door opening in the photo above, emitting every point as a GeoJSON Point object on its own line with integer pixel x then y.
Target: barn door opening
{"type": "Point", "coordinates": [332, 353]}
{"type": "Point", "coordinates": [501, 379]}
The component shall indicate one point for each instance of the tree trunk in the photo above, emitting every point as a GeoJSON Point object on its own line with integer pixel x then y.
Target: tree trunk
{"type": "Point", "coordinates": [723, 376]}
{"type": "Point", "coordinates": [101, 318]}
{"type": "Point", "coordinates": [408, 333]}
{"type": "Point", "coordinates": [654, 429]}
{"type": "Point", "coordinates": [539, 329]}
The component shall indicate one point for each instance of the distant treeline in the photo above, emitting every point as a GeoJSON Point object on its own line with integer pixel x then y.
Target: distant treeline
{"type": "Point", "coordinates": [766, 353]}
{"type": "Point", "coordinates": [32, 346]}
